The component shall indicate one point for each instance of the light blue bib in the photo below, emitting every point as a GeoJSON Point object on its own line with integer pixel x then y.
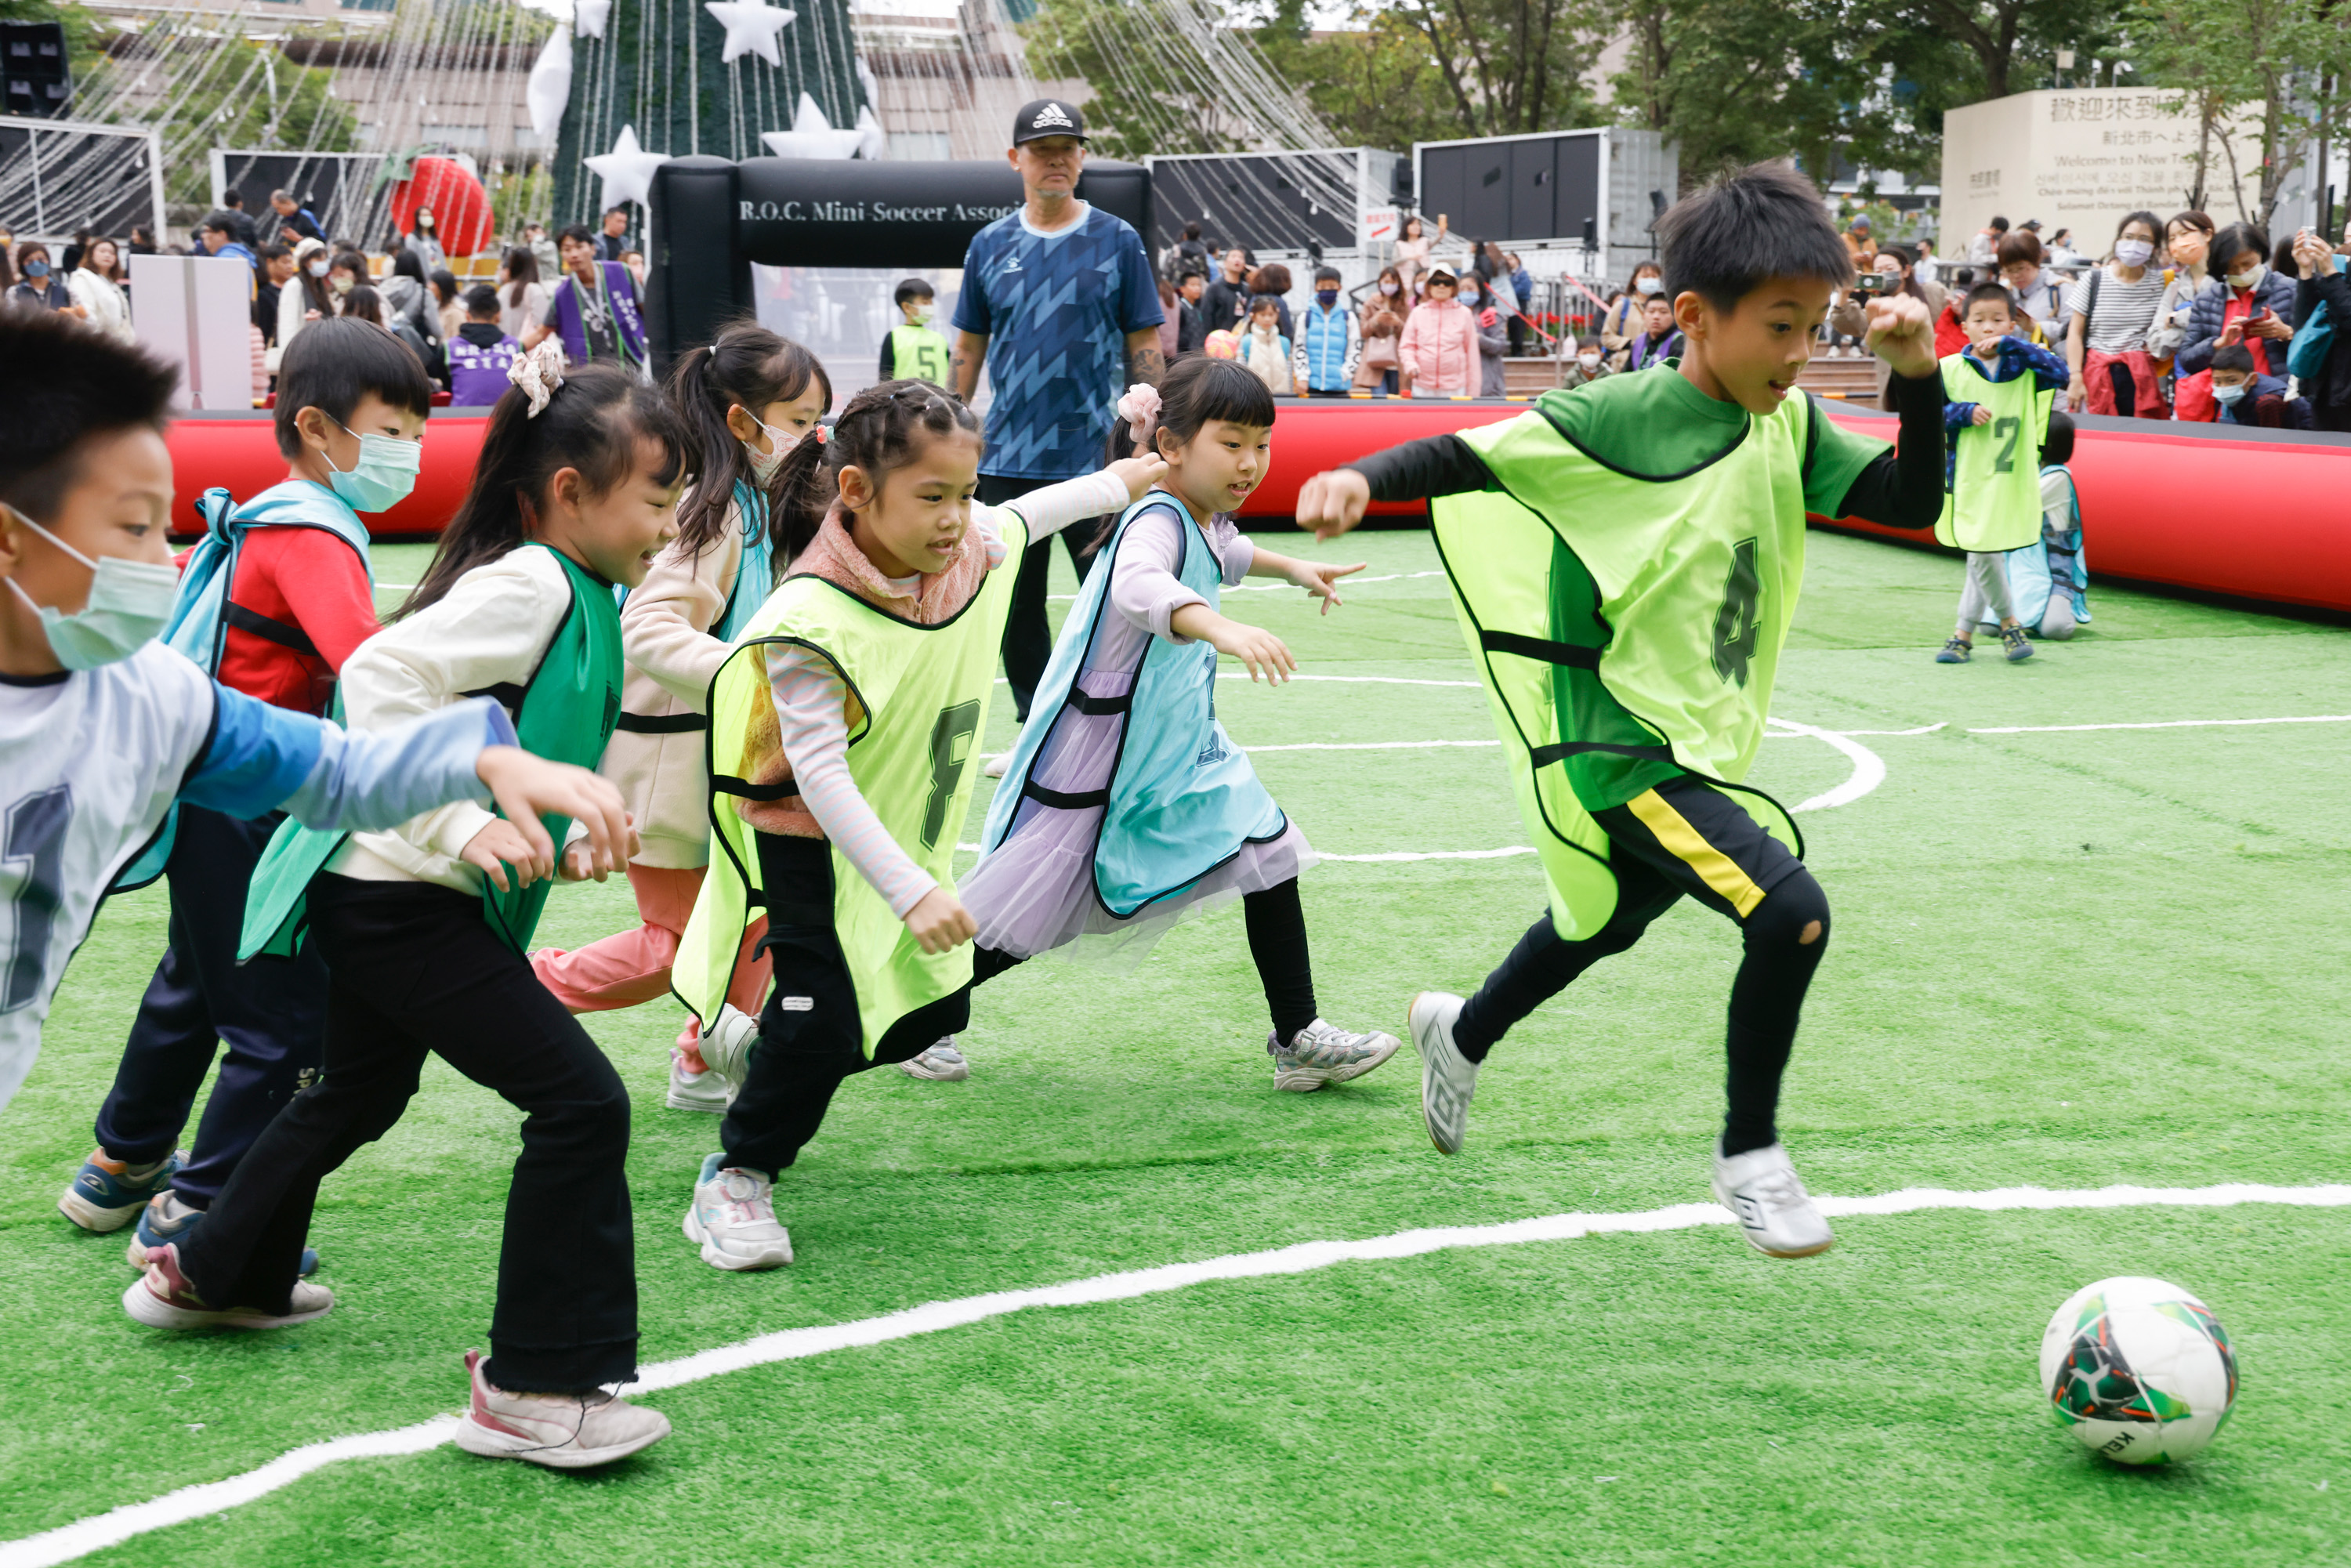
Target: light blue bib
{"type": "Point", "coordinates": [1182, 798]}
{"type": "Point", "coordinates": [753, 579]}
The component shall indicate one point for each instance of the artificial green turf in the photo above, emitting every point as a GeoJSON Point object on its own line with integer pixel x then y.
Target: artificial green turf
{"type": "Point", "coordinates": [2068, 959]}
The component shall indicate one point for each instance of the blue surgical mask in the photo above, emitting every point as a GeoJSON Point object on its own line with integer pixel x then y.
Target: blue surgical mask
{"type": "Point", "coordinates": [37, 269]}
{"type": "Point", "coordinates": [382, 476]}
{"type": "Point", "coordinates": [129, 603]}
{"type": "Point", "coordinates": [2230, 392]}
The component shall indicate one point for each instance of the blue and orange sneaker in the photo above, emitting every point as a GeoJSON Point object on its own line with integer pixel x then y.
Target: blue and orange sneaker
{"type": "Point", "coordinates": [166, 1220]}
{"type": "Point", "coordinates": [106, 1194]}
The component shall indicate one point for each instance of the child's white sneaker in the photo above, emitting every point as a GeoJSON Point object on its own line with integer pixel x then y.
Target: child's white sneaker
{"type": "Point", "coordinates": [726, 1047]}
{"type": "Point", "coordinates": [996, 766]}
{"type": "Point", "coordinates": [561, 1431]}
{"type": "Point", "coordinates": [707, 1091]}
{"type": "Point", "coordinates": [1448, 1078]}
{"type": "Point", "coordinates": [733, 1218]}
{"type": "Point", "coordinates": [1322, 1053]}
{"type": "Point", "coordinates": [940, 1062]}
{"type": "Point", "coordinates": [1775, 1213]}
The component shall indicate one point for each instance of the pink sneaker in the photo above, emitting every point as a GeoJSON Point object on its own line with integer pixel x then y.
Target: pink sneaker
{"type": "Point", "coordinates": [162, 1298]}
{"type": "Point", "coordinates": [562, 1431]}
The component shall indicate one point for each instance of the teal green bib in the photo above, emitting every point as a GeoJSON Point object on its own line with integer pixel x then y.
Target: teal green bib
{"type": "Point", "coordinates": [565, 713]}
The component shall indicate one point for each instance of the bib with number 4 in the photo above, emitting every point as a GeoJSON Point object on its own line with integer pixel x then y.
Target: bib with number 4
{"type": "Point", "coordinates": [1628, 629]}
{"type": "Point", "coordinates": [1993, 501]}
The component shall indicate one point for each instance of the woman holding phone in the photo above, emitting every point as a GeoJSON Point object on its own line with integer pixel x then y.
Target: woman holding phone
{"type": "Point", "coordinates": [2247, 302]}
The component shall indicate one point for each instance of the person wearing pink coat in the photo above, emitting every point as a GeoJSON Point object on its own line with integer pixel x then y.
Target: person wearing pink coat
{"type": "Point", "coordinates": [1437, 354]}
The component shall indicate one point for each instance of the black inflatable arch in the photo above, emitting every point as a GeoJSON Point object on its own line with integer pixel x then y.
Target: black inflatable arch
{"type": "Point", "coordinates": [713, 217]}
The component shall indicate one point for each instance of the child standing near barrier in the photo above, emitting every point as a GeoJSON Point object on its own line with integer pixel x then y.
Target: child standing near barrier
{"type": "Point", "coordinates": [1626, 560]}
{"type": "Point", "coordinates": [748, 397]}
{"type": "Point", "coordinates": [844, 731]}
{"type": "Point", "coordinates": [914, 350]}
{"type": "Point", "coordinates": [1126, 806]}
{"type": "Point", "coordinates": [272, 603]}
{"type": "Point", "coordinates": [423, 929]}
{"type": "Point", "coordinates": [2000, 392]}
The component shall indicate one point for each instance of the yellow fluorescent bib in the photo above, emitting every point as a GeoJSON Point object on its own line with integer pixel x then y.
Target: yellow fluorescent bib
{"type": "Point", "coordinates": [922, 693]}
{"type": "Point", "coordinates": [1994, 500]}
{"type": "Point", "coordinates": [1627, 630]}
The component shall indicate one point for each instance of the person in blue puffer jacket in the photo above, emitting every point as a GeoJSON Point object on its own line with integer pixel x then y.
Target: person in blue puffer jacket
{"type": "Point", "coordinates": [1328, 342]}
{"type": "Point", "coordinates": [2244, 288]}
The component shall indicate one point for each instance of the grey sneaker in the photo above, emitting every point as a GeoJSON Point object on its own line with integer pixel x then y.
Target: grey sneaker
{"type": "Point", "coordinates": [733, 1218]}
{"type": "Point", "coordinates": [1956, 651]}
{"type": "Point", "coordinates": [1775, 1213]}
{"type": "Point", "coordinates": [726, 1045]}
{"type": "Point", "coordinates": [1448, 1078]}
{"type": "Point", "coordinates": [1322, 1053]}
{"type": "Point", "coordinates": [2018, 645]}
{"type": "Point", "coordinates": [942, 1063]}
{"type": "Point", "coordinates": [561, 1431]}
{"type": "Point", "coordinates": [706, 1092]}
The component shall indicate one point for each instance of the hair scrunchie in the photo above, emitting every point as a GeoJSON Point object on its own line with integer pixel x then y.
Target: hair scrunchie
{"type": "Point", "coordinates": [539, 373]}
{"type": "Point", "coordinates": [1140, 409]}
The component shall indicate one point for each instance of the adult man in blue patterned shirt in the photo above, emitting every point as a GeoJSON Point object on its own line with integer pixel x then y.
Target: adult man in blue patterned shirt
{"type": "Point", "coordinates": [1060, 302]}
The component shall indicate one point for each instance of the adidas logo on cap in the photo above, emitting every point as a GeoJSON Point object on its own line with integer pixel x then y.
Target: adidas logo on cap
{"type": "Point", "coordinates": [1052, 115]}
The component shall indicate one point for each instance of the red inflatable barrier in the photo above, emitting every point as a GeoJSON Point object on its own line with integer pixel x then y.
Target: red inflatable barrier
{"type": "Point", "coordinates": [2255, 514]}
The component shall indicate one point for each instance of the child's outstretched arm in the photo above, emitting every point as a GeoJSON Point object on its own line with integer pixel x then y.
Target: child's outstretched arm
{"type": "Point", "coordinates": [1319, 578]}
{"type": "Point", "coordinates": [1332, 503]}
{"type": "Point", "coordinates": [1260, 651]}
{"type": "Point", "coordinates": [259, 758]}
{"type": "Point", "coordinates": [1052, 508]}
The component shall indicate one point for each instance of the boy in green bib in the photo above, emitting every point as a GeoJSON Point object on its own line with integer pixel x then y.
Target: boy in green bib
{"type": "Point", "coordinates": [914, 350]}
{"type": "Point", "coordinates": [1999, 390]}
{"type": "Point", "coordinates": [1626, 560]}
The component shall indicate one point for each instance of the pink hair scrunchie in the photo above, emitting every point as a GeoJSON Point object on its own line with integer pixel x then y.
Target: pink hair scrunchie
{"type": "Point", "coordinates": [1140, 409]}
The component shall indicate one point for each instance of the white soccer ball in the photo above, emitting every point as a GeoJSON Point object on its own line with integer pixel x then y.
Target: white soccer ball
{"type": "Point", "coordinates": [2140, 1371]}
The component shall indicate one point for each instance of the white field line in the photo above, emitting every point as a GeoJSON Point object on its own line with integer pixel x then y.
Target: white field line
{"type": "Point", "coordinates": [2163, 723]}
{"type": "Point", "coordinates": [1868, 767]}
{"type": "Point", "coordinates": [71, 1541]}
{"type": "Point", "coordinates": [1344, 583]}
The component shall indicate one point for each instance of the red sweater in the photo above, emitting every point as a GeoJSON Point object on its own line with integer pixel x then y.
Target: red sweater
{"type": "Point", "coordinates": [307, 579]}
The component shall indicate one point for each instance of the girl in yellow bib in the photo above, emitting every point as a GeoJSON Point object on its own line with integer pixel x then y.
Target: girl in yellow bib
{"type": "Point", "coordinates": [842, 750]}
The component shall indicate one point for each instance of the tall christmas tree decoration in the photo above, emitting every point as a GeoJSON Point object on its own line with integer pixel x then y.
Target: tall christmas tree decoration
{"type": "Point", "coordinates": [633, 82]}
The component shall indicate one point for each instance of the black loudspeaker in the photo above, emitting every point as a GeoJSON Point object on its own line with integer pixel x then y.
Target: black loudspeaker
{"type": "Point", "coordinates": [34, 78]}
{"type": "Point", "coordinates": [1400, 183]}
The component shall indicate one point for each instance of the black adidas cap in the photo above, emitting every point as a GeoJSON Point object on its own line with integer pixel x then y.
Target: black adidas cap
{"type": "Point", "coordinates": [1047, 117]}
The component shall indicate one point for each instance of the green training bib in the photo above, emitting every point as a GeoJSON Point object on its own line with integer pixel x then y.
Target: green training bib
{"type": "Point", "coordinates": [917, 353]}
{"type": "Point", "coordinates": [919, 697]}
{"type": "Point", "coordinates": [1993, 501]}
{"type": "Point", "coordinates": [1627, 630]}
{"type": "Point", "coordinates": [565, 713]}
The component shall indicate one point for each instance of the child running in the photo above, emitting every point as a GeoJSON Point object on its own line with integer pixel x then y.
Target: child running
{"type": "Point", "coordinates": [423, 929]}
{"type": "Point", "coordinates": [272, 603]}
{"type": "Point", "coordinates": [750, 397]}
{"type": "Point", "coordinates": [842, 732]}
{"type": "Point", "coordinates": [1126, 806]}
{"type": "Point", "coordinates": [103, 729]}
{"type": "Point", "coordinates": [1999, 391]}
{"type": "Point", "coordinates": [1626, 560]}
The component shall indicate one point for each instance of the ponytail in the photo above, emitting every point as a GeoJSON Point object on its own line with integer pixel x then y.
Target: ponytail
{"type": "Point", "coordinates": [747, 365]}
{"type": "Point", "coordinates": [595, 422]}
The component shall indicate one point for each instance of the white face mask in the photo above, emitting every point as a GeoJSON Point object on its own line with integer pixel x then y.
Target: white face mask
{"type": "Point", "coordinates": [1589, 362]}
{"type": "Point", "coordinates": [1391, 289]}
{"type": "Point", "coordinates": [2134, 252]}
{"type": "Point", "coordinates": [316, 268]}
{"type": "Point", "coordinates": [780, 442]}
{"type": "Point", "coordinates": [1649, 285]}
{"type": "Point", "coordinates": [2229, 393]}
{"type": "Point", "coordinates": [2248, 279]}
{"type": "Point", "coordinates": [129, 603]}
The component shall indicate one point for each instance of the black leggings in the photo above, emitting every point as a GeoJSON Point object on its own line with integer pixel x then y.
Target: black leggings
{"type": "Point", "coordinates": [1277, 939]}
{"type": "Point", "coordinates": [414, 968]}
{"type": "Point", "coordinates": [1766, 998]}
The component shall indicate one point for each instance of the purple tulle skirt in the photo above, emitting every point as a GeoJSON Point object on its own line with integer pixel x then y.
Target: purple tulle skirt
{"type": "Point", "coordinates": [1036, 893]}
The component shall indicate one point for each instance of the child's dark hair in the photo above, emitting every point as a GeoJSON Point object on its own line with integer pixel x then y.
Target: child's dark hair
{"type": "Point", "coordinates": [884, 427]}
{"type": "Point", "coordinates": [1984, 291]}
{"type": "Point", "coordinates": [481, 300]}
{"type": "Point", "coordinates": [1194, 394]}
{"type": "Point", "coordinates": [88, 385]}
{"type": "Point", "coordinates": [1766, 221]}
{"type": "Point", "coordinates": [2234, 357]}
{"type": "Point", "coordinates": [1323, 275]}
{"type": "Point", "coordinates": [2057, 446]}
{"type": "Point", "coordinates": [913, 289]}
{"type": "Point", "coordinates": [331, 365]}
{"type": "Point", "coordinates": [745, 364]}
{"type": "Point", "coordinates": [595, 422]}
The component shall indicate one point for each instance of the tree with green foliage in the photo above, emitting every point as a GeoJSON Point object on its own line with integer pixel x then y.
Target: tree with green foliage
{"type": "Point", "coordinates": [2259, 77]}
